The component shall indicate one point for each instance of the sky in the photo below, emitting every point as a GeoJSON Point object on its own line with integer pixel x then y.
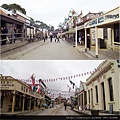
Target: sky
{"type": "Point", "coordinates": [46, 69]}
{"type": "Point", "coordinates": [52, 12]}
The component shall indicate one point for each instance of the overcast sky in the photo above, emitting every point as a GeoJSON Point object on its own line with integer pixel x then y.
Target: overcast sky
{"type": "Point", "coordinates": [54, 11]}
{"type": "Point", "coordinates": [49, 70]}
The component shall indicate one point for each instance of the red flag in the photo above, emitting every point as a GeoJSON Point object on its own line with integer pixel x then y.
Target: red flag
{"type": "Point", "coordinates": [38, 89]}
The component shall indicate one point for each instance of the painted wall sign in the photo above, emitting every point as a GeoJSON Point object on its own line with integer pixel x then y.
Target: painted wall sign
{"type": "Point", "coordinates": [101, 19]}
{"type": "Point", "coordinates": [93, 22]}
{"type": "Point", "coordinates": [7, 83]}
{"type": "Point", "coordinates": [112, 16]}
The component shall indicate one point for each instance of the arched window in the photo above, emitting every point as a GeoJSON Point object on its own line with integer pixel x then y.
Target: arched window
{"type": "Point", "coordinates": [96, 88]}
{"type": "Point", "coordinates": [111, 89]}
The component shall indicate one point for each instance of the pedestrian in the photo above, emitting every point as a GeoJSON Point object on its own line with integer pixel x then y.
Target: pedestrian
{"type": "Point", "coordinates": [58, 40]}
{"type": "Point", "coordinates": [55, 38]}
{"type": "Point", "coordinates": [88, 42]}
{"type": "Point", "coordinates": [51, 38]}
{"type": "Point", "coordinates": [65, 104]}
{"type": "Point", "coordinates": [4, 37]}
{"type": "Point", "coordinates": [44, 38]}
{"type": "Point", "coordinates": [80, 41]}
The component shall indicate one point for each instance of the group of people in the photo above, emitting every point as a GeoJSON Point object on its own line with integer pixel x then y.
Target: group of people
{"type": "Point", "coordinates": [56, 37]}
{"type": "Point", "coordinates": [81, 39]}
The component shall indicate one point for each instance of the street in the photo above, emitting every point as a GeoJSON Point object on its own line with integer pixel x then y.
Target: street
{"type": "Point", "coordinates": [59, 110]}
{"type": "Point", "coordinates": [48, 51]}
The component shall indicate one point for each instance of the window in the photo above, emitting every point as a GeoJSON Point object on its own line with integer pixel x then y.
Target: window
{"type": "Point", "coordinates": [96, 88]}
{"type": "Point", "coordinates": [22, 88]}
{"type": "Point", "coordinates": [105, 34]}
{"type": "Point", "coordinates": [89, 95]}
{"type": "Point", "coordinates": [110, 89]}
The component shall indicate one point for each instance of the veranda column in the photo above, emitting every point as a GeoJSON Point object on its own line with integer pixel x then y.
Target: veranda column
{"type": "Point", "coordinates": [96, 37]}
{"type": "Point", "coordinates": [13, 103]}
{"type": "Point", "coordinates": [23, 103]}
{"type": "Point", "coordinates": [76, 37]}
{"type": "Point", "coordinates": [85, 40]}
{"type": "Point", "coordinates": [30, 104]}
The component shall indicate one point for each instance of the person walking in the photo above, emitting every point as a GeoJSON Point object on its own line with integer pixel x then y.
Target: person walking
{"type": "Point", "coordinates": [55, 38]}
{"type": "Point", "coordinates": [65, 104]}
{"type": "Point", "coordinates": [88, 42]}
{"type": "Point", "coordinates": [44, 38]}
{"type": "Point", "coordinates": [80, 41]}
{"type": "Point", "coordinates": [58, 38]}
{"type": "Point", "coordinates": [51, 38]}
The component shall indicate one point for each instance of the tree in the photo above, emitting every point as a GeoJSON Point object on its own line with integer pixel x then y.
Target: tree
{"type": "Point", "coordinates": [5, 6]}
{"type": "Point", "coordinates": [32, 22]}
{"type": "Point", "coordinates": [13, 7]}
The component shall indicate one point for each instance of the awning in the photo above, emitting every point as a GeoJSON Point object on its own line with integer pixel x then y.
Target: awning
{"type": "Point", "coordinates": [69, 32]}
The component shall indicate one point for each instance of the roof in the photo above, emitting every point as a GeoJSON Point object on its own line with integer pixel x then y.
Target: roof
{"type": "Point", "coordinates": [6, 11]}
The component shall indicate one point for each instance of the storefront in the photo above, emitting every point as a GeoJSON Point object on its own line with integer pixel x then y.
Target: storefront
{"type": "Point", "coordinates": [17, 96]}
{"type": "Point", "coordinates": [106, 27]}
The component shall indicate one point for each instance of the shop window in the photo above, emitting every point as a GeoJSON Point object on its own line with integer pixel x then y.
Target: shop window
{"type": "Point", "coordinates": [96, 88]}
{"type": "Point", "coordinates": [26, 90]}
{"type": "Point", "coordinates": [116, 33]}
{"type": "Point", "coordinates": [22, 88]}
{"type": "Point", "coordinates": [111, 89]}
{"type": "Point", "coordinates": [105, 33]}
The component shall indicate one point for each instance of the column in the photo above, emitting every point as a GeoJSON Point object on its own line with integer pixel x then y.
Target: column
{"type": "Point", "coordinates": [112, 37]}
{"type": "Point", "coordinates": [13, 26]}
{"type": "Point", "coordinates": [23, 32]}
{"type": "Point", "coordinates": [76, 37]}
{"type": "Point", "coordinates": [85, 40]}
{"type": "Point", "coordinates": [34, 103]}
{"type": "Point", "coordinates": [20, 101]}
{"type": "Point", "coordinates": [23, 103]}
{"type": "Point", "coordinates": [13, 103]}
{"type": "Point", "coordinates": [83, 99]}
{"type": "Point", "coordinates": [87, 99]}
{"type": "Point", "coordinates": [96, 37]}
{"type": "Point", "coordinates": [30, 104]}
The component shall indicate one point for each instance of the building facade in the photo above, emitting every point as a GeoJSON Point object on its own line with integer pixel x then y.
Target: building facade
{"type": "Point", "coordinates": [16, 95]}
{"type": "Point", "coordinates": [103, 87]}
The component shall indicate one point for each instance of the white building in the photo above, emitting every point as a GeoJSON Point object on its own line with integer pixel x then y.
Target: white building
{"type": "Point", "coordinates": [103, 87]}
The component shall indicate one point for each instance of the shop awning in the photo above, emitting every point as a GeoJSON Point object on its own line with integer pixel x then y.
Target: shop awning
{"type": "Point", "coordinates": [70, 32]}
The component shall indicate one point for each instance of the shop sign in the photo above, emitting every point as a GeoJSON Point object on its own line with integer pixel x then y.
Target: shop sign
{"type": "Point", "coordinates": [93, 22]}
{"type": "Point", "coordinates": [112, 16]}
{"type": "Point", "coordinates": [101, 19]}
{"type": "Point", "coordinates": [7, 84]}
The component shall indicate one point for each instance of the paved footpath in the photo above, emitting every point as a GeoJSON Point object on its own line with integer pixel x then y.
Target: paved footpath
{"type": "Point", "coordinates": [103, 54]}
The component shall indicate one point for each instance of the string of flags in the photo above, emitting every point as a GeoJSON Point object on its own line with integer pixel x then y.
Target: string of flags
{"type": "Point", "coordinates": [59, 91]}
{"type": "Point", "coordinates": [53, 95]}
{"type": "Point", "coordinates": [72, 76]}
{"type": "Point", "coordinates": [29, 81]}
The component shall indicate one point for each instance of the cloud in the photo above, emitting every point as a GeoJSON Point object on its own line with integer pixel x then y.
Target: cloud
{"type": "Point", "coordinates": [54, 11]}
